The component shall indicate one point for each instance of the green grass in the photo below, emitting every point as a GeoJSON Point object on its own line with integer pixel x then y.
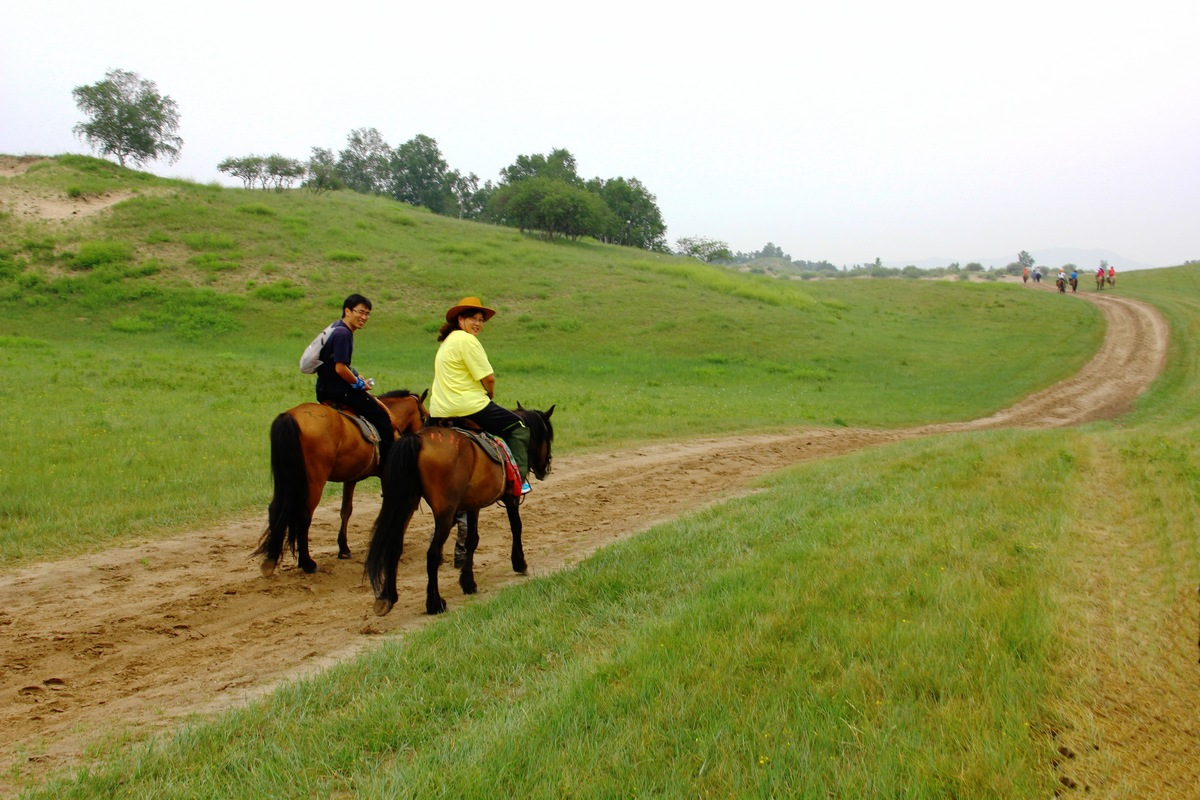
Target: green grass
{"type": "Point", "coordinates": [169, 331]}
{"type": "Point", "coordinates": [860, 636]}
{"type": "Point", "coordinates": [900, 622]}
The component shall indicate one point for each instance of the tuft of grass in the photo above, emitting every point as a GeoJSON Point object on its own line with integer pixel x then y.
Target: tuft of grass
{"type": "Point", "coordinates": [283, 291]}
{"type": "Point", "coordinates": [257, 209]}
{"type": "Point", "coordinates": [97, 254]}
{"type": "Point", "coordinates": [206, 242]}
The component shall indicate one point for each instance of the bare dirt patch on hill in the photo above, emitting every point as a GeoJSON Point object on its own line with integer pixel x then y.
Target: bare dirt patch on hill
{"type": "Point", "coordinates": [29, 203]}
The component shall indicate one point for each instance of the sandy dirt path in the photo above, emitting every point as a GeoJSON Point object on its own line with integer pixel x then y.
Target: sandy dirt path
{"type": "Point", "coordinates": [137, 638]}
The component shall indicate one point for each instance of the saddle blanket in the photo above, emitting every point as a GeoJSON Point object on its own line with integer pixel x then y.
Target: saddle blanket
{"type": "Point", "coordinates": [365, 428]}
{"type": "Point", "coordinates": [497, 450]}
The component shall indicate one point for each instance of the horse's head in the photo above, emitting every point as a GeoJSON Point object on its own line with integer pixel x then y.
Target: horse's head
{"type": "Point", "coordinates": [541, 439]}
{"type": "Point", "coordinates": [407, 409]}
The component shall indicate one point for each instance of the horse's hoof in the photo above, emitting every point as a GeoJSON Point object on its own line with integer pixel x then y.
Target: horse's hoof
{"type": "Point", "coordinates": [468, 586]}
{"type": "Point", "coordinates": [520, 567]}
{"type": "Point", "coordinates": [382, 607]}
{"type": "Point", "coordinates": [267, 568]}
{"type": "Point", "coordinates": [438, 607]}
{"type": "Point", "coordinates": [309, 567]}
{"type": "Point", "coordinates": [344, 555]}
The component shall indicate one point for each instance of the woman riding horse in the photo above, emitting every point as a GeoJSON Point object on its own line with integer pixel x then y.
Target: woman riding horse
{"type": "Point", "coordinates": [450, 470]}
{"type": "Point", "coordinates": [464, 382]}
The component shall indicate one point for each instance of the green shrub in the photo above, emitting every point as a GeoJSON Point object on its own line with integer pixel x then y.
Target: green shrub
{"type": "Point", "coordinates": [95, 254]}
{"type": "Point", "coordinates": [209, 241]}
{"type": "Point", "coordinates": [259, 209]}
{"type": "Point", "coordinates": [279, 292]}
{"type": "Point", "coordinates": [135, 324]}
{"type": "Point", "coordinates": [14, 342]}
{"type": "Point", "coordinates": [147, 268]}
{"type": "Point", "coordinates": [10, 266]}
{"type": "Point", "coordinates": [345, 255]}
{"type": "Point", "coordinates": [213, 263]}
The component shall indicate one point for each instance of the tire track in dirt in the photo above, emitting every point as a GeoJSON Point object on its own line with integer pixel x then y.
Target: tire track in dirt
{"type": "Point", "coordinates": [140, 637]}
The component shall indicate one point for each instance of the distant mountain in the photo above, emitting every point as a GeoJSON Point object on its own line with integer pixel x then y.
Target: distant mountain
{"type": "Point", "coordinates": [1051, 257]}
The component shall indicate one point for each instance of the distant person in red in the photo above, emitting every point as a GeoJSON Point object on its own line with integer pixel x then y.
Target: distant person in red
{"type": "Point", "coordinates": [1112, 276]}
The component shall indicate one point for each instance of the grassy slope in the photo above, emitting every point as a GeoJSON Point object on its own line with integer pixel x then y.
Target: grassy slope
{"type": "Point", "coordinates": [146, 350]}
{"type": "Point", "coordinates": [893, 623]}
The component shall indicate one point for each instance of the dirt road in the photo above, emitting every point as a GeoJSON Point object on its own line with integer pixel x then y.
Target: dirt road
{"type": "Point", "coordinates": [139, 637]}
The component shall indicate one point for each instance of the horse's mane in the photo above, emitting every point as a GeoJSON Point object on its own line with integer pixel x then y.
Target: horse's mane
{"type": "Point", "coordinates": [529, 414]}
{"type": "Point", "coordinates": [398, 393]}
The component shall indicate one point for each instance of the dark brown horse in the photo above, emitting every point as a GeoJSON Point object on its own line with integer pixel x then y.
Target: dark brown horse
{"type": "Point", "coordinates": [453, 474]}
{"type": "Point", "coordinates": [311, 445]}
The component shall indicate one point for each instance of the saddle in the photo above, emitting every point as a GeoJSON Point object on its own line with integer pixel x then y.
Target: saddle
{"type": "Point", "coordinates": [495, 447]}
{"type": "Point", "coordinates": [369, 434]}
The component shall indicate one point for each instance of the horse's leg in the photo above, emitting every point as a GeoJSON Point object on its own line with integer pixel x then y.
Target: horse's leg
{"type": "Point", "coordinates": [513, 506]}
{"type": "Point", "coordinates": [466, 578]}
{"type": "Point", "coordinates": [460, 540]}
{"type": "Point", "coordinates": [389, 520]}
{"type": "Point", "coordinates": [347, 510]}
{"type": "Point", "coordinates": [443, 522]}
{"type": "Point", "coordinates": [316, 486]}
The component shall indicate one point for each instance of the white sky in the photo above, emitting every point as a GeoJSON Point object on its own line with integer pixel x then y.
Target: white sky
{"type": "Point", "coordinates": [842, 130]}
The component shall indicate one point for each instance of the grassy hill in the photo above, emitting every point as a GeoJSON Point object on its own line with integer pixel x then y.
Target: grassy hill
{"type": "Point", "coordinates": [146, 348]}
{"type": "Point", "coordinates": [945, 617]}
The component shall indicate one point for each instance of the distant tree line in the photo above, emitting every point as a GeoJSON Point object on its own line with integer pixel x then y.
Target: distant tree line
{"type": "Point", "coordinates": [771, 260]}
{"type": "Point", "coordinates": [542, 193]}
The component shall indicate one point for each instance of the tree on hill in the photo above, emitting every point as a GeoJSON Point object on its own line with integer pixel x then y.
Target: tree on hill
{"type": "Point", "coordinates": [707, 250]}
{"type": "Point", "coordinates": [366, 164]}
{"type": "Point", "coordinates": [128, 118]}
{"type": "Point", "coordinates": [268, 172]}
{"type": "Point", "coordinates": [558, 165]}
{"type": "Point", "coordinates": [637, 222]}
{"type": "Point", "coordinates": [249, 169]}
{"type": "Point", "coordinates": [421, 177]}
{"type": "Point", "coordinates": [551, 206]}
{"type": "Point", "coordinates": [322, 172]}
{"type": "Point", "coordinates": [628, 213]}
{"type": "Point", "coordinates": [283, 171]}
{"type": "Point", "coordinates": [470, 197]}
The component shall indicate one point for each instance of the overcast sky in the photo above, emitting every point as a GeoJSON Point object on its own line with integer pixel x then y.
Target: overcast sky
{"type": "Point", "coordinates": [843, 130]}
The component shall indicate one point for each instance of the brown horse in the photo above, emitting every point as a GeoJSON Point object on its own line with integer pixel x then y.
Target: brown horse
{"type": "Point", "coordinates": [311, 445]}
{"type": "Point", "coordinates": [453, 474]}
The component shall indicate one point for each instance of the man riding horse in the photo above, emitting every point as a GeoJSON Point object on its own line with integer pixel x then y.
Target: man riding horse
{"type": "Point", "coordinates": [339, 383]}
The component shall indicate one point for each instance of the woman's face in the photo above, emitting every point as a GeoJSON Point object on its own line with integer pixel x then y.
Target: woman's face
{"type": "Point", "coordinates": [471, 323]}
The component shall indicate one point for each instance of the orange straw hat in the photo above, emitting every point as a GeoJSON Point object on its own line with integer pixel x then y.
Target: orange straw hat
{"type": "Point", "coordinates": [469, 304]}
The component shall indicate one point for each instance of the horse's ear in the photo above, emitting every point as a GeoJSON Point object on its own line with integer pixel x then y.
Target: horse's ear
{"type": "Point", "coordinates": [424, 395]}
{"type": "Point", "coordinates": [549, 411]}
{"type": "Point", "coordinates": [519, 406]}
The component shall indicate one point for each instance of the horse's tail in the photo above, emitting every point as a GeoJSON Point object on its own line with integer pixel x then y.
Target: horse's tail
{"type": "Point", "coordinates": [289, 502]}
{"type": "Point", "coordinates": [401, 486]}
